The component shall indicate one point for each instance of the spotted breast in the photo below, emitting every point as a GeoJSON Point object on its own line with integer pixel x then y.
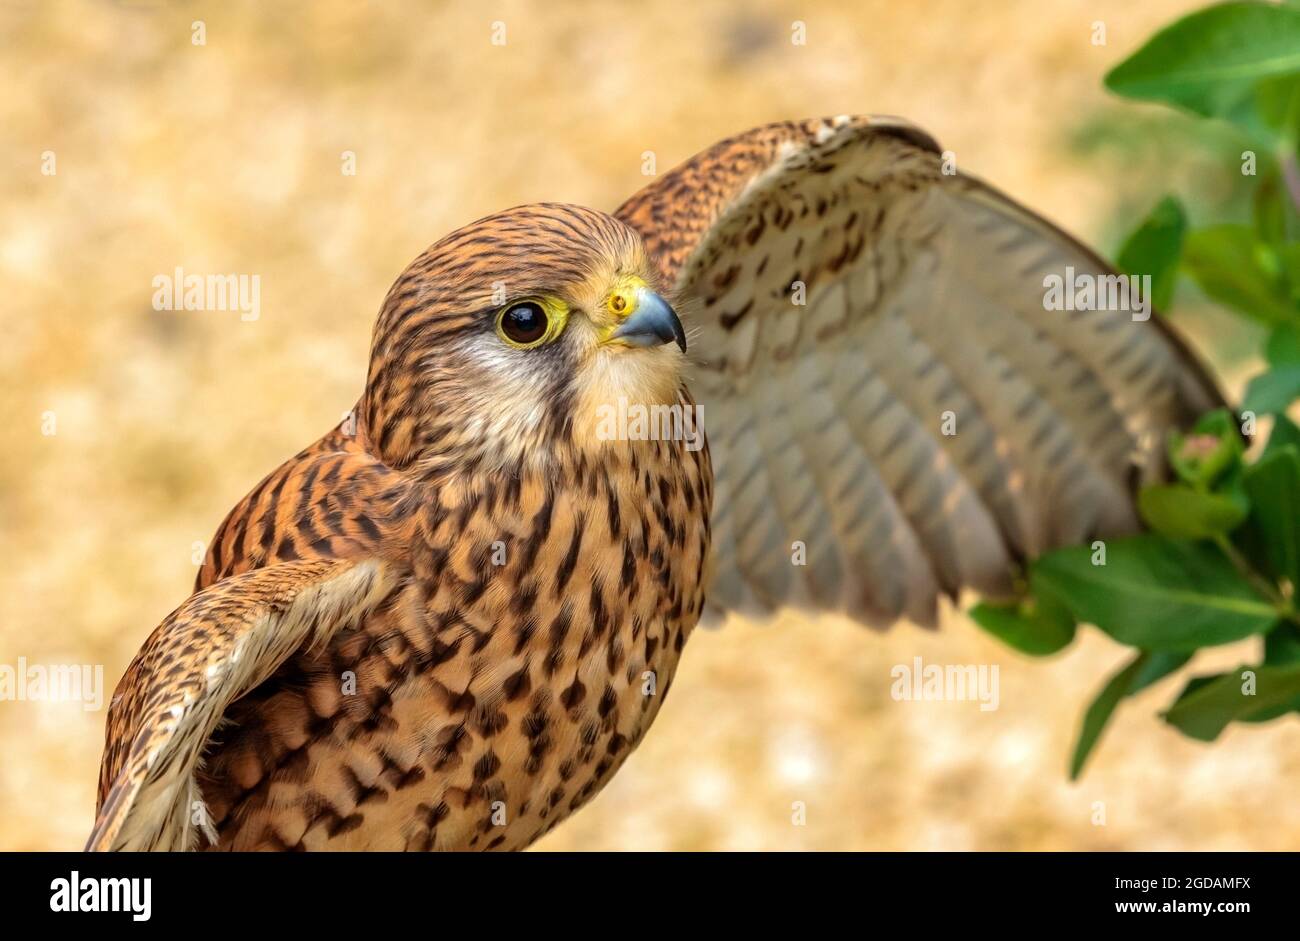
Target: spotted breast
{"type": "Point", "coordinates": [522, 654]}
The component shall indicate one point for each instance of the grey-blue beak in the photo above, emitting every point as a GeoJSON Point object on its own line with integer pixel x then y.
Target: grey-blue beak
{"type": "Point", "coordinates": [653, 322]}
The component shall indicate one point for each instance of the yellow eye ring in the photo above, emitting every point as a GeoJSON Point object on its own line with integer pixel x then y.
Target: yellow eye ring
{"type": "Point", "coordinates": [617, 303]}
{"type": "Point", "coordinates": [530, 323]}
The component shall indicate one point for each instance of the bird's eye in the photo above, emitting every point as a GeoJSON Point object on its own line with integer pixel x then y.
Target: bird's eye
{"type": "Point", "coordinates": [523, 324]}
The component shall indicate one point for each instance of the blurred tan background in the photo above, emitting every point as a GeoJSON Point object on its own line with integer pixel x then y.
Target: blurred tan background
{"type": "Point", "coordinates": [226, 157]}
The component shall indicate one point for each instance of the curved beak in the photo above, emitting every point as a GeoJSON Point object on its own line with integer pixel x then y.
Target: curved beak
{"type": "Point", "coordinates": [653, 322]}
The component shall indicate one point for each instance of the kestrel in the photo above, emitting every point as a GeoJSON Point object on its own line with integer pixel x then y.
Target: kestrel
{"type": "Point", "coordinates": [447, 623]}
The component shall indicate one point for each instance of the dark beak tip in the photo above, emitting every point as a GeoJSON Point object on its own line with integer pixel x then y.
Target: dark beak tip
{"type": "Point", "coordinates": [655, 321]}
{"type": "Point", "coordinates": [679, 332]}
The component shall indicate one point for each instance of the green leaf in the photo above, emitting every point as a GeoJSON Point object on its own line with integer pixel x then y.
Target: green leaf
{"type": "Point", "coordinates": [1272, 392]}
{"type": "Point", "coordinates": [1205, 708]}
{"type": "Point", "coordinates": [1269, 713]}
{"type": "Point", "coordinates": [1273, 486]}
{"type": "Point", "coordinates": [1178, 511]}
{"type": "Point", "coordinates": [1037, 626]}
{"type": "Point", "coordinates": [1277, 102]}
{"type": "Point", "coordinates": [1099, 713]}
{"type": "Point", "coordinates": [1158, 665]}
{"type": "Point", "coordinates": [1281, 647]}
{"type": "Point", "coordinates": [1208, 62]}
{"type": "Point", "coordinates": [1156, 593]}
{"type": "Point", "coordinates": [1236, 268]}
{"type": "Point", "coordinates": [1282, 348]}
{"type": "Point", "coordinates": [1284, 433]}
{"type": "Point", "coordinates": [1288, 256]}
{"type": "Point", "coordinates": [1154, 249]}
{"type": "Point", "coordinates": [1270, 207]}
{"type": "Point", "coordinates": [1142, 671]}
{"type": "Point", "coordinates": [1265, 111]}
{"type": "Point", "coordinates": [1210, 450]}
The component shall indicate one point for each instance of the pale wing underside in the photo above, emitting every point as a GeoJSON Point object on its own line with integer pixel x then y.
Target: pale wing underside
{"type": "Point", "coordinates": [920, 422]}
{"type": "Point", "coordinates": [220, 644]}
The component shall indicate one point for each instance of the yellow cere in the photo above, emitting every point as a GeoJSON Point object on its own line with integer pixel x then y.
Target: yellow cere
{"type": "Point", "coordinates": [622, 298]}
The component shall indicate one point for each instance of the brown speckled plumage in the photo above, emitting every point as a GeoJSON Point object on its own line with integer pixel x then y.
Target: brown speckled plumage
{"type": "Point", "coordinates": [446, 623]}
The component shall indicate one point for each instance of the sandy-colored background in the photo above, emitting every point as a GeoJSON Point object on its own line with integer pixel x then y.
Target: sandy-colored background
{"type": "Point", "coordinates": [226, 158]}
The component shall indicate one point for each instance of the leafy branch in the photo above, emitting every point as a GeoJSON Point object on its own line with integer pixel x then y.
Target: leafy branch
{"type": "Point", "coordinates": [1221, 561]}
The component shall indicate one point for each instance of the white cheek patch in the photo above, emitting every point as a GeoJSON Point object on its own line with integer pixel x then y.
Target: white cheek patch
{"type": "Point", "coordinates": [503, 393]}
{"type": "Point", "coordinates": [500, 394]}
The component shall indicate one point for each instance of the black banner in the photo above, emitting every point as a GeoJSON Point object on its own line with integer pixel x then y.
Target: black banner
{"type": "Point", "coordinates": [137, 890]}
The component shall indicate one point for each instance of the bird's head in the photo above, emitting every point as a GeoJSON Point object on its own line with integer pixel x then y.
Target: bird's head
{"type": "Point", "coordinates": [506, 340]}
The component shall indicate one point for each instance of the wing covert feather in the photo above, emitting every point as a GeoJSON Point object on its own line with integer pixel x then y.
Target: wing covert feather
{"type": "Point", "coordinates": [881, 380]}
{"type": "Point", "coordinates": [221, 643]}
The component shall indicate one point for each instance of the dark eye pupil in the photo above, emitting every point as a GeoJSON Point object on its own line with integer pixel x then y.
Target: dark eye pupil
{"type": "Point", "coordinates": [524, 323]}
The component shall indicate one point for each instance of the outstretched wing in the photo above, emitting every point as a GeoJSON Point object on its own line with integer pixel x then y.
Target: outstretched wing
{"type": "Point", "coordinates": [887, 398]}
{"type": "Point", "coordinates": [214, 648]}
